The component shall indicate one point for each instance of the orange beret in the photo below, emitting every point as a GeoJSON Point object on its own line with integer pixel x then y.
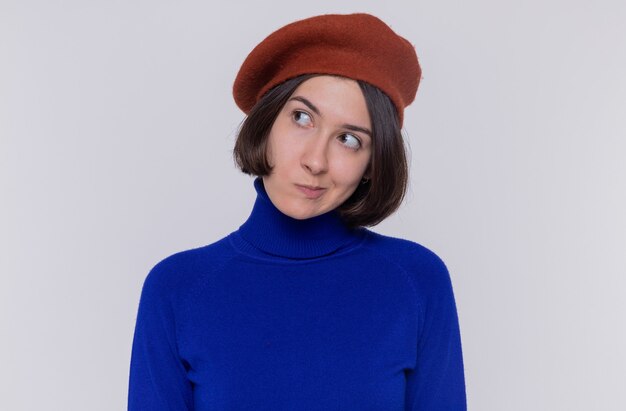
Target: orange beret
{"type": "Point", "coordinates": [358, 46]}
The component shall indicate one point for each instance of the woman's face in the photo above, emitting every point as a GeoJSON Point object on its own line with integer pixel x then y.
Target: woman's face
{"type": "Point", "coordinates": [320, 138]}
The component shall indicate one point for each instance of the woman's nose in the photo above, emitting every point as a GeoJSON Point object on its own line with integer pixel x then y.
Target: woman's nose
{"type": "Point", "coordinates": [315, 156]}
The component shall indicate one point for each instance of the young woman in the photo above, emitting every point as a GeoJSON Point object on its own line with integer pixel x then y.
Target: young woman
{"type": "Point", "coordinates": [303, 307]}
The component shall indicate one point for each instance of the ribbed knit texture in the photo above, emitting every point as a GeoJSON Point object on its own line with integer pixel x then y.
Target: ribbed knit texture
{"type": "Point", "coordinates": [287, 314]}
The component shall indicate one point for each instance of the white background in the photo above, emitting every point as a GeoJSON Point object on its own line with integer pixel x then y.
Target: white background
{"type": "Point", "coordinates": [116, 129]}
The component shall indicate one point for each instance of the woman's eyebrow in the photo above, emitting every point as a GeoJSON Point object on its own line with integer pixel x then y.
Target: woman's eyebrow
{"type": "Point", "coordinates": [357, 128]}
{"type": "Point", "coordinates": [307, 103]}
{"type": "Point", "coordinates": [317, 111]}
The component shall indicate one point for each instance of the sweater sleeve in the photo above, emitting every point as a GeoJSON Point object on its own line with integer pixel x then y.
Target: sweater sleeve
{"type": "Point", "coordinates": [437, 382]}
{"type": "Point", "coordinates": [158, 378]}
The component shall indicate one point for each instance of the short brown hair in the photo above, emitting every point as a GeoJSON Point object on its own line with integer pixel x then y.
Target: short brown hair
{"type": "Point", "coordinates": [372, 201]}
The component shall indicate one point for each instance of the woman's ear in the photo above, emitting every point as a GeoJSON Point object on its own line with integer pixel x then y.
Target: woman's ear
{"type": "Point", "coordinates": [366, 173]}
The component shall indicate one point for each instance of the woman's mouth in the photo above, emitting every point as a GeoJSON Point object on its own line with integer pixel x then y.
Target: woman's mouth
{"type": "Point", "coordinates": [311, 193]}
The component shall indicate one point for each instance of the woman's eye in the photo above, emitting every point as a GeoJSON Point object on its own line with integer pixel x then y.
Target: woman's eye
{"type": "Point", "coordinates": [351, 141]}
{"type": "Point", "coordinates": [301, 117]}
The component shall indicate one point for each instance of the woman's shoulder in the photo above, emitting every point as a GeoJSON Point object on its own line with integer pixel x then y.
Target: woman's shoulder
{"type": "Point", "coordinates": [423, 265]}
{"type": "Point", "coordinates": [401, 247]}
{"type": "Point", "coordinates": [184, 269]}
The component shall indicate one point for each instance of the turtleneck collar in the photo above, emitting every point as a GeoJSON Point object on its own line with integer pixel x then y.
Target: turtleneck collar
{"type": "Point", "coordinates": [270, 231]}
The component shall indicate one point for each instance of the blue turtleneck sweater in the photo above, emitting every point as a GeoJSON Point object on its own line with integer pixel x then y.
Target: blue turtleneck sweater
{"type": "Point", "coordinates": [287, 314]}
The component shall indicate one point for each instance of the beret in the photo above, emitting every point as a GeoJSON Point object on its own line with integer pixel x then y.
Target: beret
{"type": "Point", "coordinates": [358, 46]}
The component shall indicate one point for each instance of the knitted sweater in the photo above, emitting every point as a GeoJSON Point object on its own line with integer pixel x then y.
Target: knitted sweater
{"type": "Point", "coordinates": [287, 314]}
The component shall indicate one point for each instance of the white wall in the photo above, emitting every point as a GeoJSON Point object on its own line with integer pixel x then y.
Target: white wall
{"type": "Point", "coordinates": [116, 129]}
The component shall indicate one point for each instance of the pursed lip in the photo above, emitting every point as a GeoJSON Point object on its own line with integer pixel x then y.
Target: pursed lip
{"type": "Point", "coordinates": [311, 193]}
{"type": "Point", "coordinates": [310, 187]}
